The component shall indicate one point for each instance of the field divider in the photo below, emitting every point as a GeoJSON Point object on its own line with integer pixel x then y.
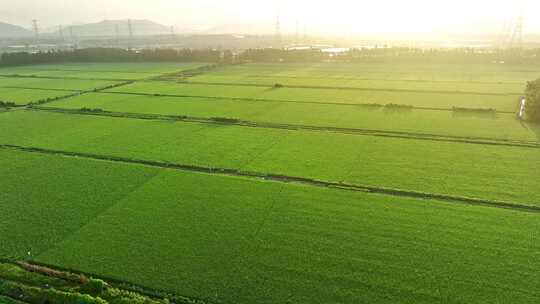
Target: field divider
{"type": "Point", "coordinates": [41, 89]}
{"type": "Point", "coordinates": [298, 127]}
{"type": "Point", "coordinates": [364, 105]}
{"type": "Point", "coordinates": [384, 79]}
{"type": "Point", "coordinates": [351, 88]}
{"type": "Point", "coordinates": [284, 179]}
{"type": "Point", "coordinates": [61, 77]}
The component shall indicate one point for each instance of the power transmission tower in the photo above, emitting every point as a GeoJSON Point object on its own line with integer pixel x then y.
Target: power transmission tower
{"type": "Point", "coordinates": [278, 27]}
{"type": "Point", "coordinates": [36, 29]}
{"type": "Point", "coordinates": [117, 34]}
{"type": "Point", "coordinates": [517, 35]}
{"type": "Point", "coordinates": [61, 33]}
{"type": "Point", "coordinates": [297, 37]}
{"type": "Point", "coordinates": [71, 36]}
{"type": "Point", "coordinates": [130, 31]}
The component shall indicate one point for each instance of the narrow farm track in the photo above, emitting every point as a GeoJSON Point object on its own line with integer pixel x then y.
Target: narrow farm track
{"type": "Point", "coordinates": [352, 88]}
{"type": "Point", "coordinates": [365, 105]}
{"type": "Point", "coordinates": [295, 127]}
{"type": "Point", "coordinates": [284, 179]}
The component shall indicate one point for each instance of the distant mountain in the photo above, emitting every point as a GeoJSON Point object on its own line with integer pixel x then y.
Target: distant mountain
{"type": "Point", "coordinates": [12, 31]}
{"type": "Point", "coordinates": [109, 28]}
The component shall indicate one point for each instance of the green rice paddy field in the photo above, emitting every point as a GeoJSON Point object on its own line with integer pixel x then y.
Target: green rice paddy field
{"type": "Point", "coordinates": [76, 191]}
{"type": "Point", "coordinates": [501, 126]}
{"type": "Point", "coordinates": [501, 102]}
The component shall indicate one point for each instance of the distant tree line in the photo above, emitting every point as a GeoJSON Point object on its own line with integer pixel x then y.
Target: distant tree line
{"type": "Point", "coordinates": [383, 55]}
{"type": "Point", "coordinates": [115, 55]}
{"type": "Point", "coordinates": [396, 54]}
{"type": "Point", "coordinates": [532, 97]}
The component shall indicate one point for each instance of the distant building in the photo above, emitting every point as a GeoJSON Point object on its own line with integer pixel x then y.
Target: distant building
{"type": "Point", "coordinates": [522, 108]}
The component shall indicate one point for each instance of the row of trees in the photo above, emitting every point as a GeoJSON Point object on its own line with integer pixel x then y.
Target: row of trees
{"type": "Point", "coordinates": [115, 55]}
{"type": "Point", "coordinates": [275, 55]}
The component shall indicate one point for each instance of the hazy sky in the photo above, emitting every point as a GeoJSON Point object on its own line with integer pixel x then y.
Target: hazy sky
{"type": "Point", "coordinates": [346, 17]}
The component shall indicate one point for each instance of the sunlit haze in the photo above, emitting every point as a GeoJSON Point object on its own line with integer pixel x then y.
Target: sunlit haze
{"type": "Point", "coordinates": [339, 17]}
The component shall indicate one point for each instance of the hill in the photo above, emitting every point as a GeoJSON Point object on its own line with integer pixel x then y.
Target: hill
{"type": "Point", "coordinates": [109, 28]}
{"type": "Point", "coordinates": [13, 31]}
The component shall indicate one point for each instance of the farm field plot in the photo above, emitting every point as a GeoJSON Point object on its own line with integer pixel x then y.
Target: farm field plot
{"type": "Point", "coordinates": [279, 243]}
{"type": "Point", "coordinates": [492, 73]}
{"type": "Point", "coordinates": [341, 96]}
{"type": "Point", "coordinates": [470, 170]}
{"type": "Point", "coordinates": [56, 84]}
{"type": "Point", "coordinates": [487, 78]}
{"type": "Point", "coordinates": [121, 71]}
{"type": "Point", "coordinates": [25, 96]}
{"type": "Point", "coordinates": [501, 126]}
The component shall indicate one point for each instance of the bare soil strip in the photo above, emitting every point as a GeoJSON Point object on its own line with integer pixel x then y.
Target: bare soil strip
{"type": "Point", "coordinates": [285, 179]}
{"type": "Point", "coordinates": [295, 127]}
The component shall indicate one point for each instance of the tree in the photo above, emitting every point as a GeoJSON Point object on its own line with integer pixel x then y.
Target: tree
{"type": "Point", "coordinates": [532, 97]}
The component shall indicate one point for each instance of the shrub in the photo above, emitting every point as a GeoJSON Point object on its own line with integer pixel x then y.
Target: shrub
{"type": "Point", "coordinates": [224, 120]}
{"type": "Point", "coordinates": [393, 106]}
{"type": "Point", "coordinates": [96, 110]}
{"type": "Point", "coordinates": [6, 104]}
{"type": "Point", "coordinates": [532, 97]}
{"type": "Point", "coordinates": [94, 287]}
{"type": "Point", "coordinates": [474, 110]}
{"type": "Point", "coordinates": [278, 86]}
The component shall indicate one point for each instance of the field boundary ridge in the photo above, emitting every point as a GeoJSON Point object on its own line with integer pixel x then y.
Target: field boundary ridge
{"type": "Point", "coordinates": [285, 179]}
{"type": "Point", "coordinates": [299, 127]}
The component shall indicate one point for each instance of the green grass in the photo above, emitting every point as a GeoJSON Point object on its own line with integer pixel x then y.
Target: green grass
{"type": "Point", "coordinates": [131, 71]}
{"type": "Point", "coordinates": [63, 84]}
{"type": "Point", "coordinates": [233, 240]}
{"type": "Point", "coordinates": [420, 99]}
{"type": "Point", "coordinates": [482, 171]}
{"type": "Point", "coordinates": [503, 126]}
